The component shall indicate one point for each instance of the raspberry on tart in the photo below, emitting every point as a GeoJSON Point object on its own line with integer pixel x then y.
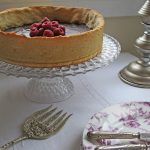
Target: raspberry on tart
{"type": "Point", "coordinates": [53, 28]}
{"type": "Point", "coordinates": [46, 27]}
{"type": "Point", "coordinates": [48, 33]}
{"type": "Point", "coordinates": [41, 31]}
{"type": "Point", "coordinates": [55, 23]}
{"type": "Point", "coordinates": [58, 31]}
{"type": "Point", "coordinates": [62, 27]}
{"type": "Point", "coordinates": [34, 32]}
{"type": "Point", "coordinates": [37, 25]}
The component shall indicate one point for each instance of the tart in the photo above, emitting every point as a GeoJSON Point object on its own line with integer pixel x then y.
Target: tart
{"type": "Point", "coordinates": [55, 51]}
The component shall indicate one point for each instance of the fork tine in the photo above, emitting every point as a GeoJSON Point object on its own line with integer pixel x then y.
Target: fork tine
{"type": "Point", "coordinates": [45, 115]}
{"type": "Point", "coordinates": [40, 112]}
{"type": "Point", "coordinates": [59, 123]}
{"type": "Point", "coordinates": [57, 120]}
{"type": "Point", "coordinates": [50, 119]}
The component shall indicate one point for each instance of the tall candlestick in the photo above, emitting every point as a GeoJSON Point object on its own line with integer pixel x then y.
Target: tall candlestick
{"type": "Point", "coordinates": [137, 73]}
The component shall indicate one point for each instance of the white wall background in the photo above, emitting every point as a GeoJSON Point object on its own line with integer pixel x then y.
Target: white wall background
{"type": "Point", "coordinates": [108, 8]}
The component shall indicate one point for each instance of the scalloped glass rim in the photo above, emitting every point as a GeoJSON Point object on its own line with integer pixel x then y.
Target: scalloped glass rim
{"type": "Point", "coordinates": [111, 50]}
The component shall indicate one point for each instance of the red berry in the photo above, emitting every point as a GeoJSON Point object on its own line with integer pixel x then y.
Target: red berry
{"type": "Point", "coordinates": [48, 33]}
{"type": "Point", "coordinates": [58, 31]}
{"type": "Point", "coordinates": [37, 25]}
{"type": "Point", "coordinates": [44, 19]}
{"type": "Point", "coordinates": [46, 25]}
{"type": "Point", "coordinates": [62, 27]}
{"type": "Point", "coordinates": [41, 31]}
{"type": "Point", "coordinates": [53, 28]}
{"type": "Point", "coordinates": [62, 32]}
{"type": "Point", "coordinates": [34, 32]}
{"type": "Point", "coordinates": [54, 23]}
{"type": "Point", "coordinates": [33, 28]}
{"type": "Point", "coordinates": [47, 28]}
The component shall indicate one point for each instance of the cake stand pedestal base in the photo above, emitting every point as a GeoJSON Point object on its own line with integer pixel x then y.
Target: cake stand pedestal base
{"type": "Point", "coordinates": [49, 90]}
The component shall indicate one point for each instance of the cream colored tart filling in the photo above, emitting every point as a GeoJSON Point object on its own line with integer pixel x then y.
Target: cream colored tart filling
{"type": "Point", "coordinates": [56, 51]}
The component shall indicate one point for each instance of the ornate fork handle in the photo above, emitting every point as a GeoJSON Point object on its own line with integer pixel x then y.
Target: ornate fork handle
{"type": "Point", "coordinates": [13, 142]}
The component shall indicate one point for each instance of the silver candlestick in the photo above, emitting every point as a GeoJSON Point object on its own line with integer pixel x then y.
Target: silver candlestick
{"type": "Point", "coordinates": [138, 73]}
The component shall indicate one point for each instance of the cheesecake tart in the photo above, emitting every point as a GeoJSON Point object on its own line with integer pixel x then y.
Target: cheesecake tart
{"type": "Point", "coordinates": [57, 51]}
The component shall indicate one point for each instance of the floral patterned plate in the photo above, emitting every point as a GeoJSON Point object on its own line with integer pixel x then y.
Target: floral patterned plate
{"type": "Point", "coordinates": [128, 117]}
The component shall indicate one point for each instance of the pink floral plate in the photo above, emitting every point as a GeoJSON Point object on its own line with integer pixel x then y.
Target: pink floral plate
{"type": "Point", "coordinates": [128, 117]}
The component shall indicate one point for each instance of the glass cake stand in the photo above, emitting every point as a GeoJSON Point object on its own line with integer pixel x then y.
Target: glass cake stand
{"type": "Point", "coordinates": [49, 85]}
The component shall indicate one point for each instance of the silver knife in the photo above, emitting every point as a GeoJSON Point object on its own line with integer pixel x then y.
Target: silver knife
{"type": "Point", "coordinates": [124, 147]}
{"type": "Point", "coordinates": [92, 135]}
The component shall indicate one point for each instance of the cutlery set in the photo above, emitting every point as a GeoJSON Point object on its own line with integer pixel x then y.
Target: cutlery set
{"type": "Point", "coordinates": [93, 135]}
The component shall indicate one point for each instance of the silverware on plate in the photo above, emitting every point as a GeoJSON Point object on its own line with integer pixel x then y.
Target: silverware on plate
{"type": "Point", "coordinates": [124, 147]}
{"type": "Point", "coordinates": [93, 135]}
{"type": "Point", "coordinates": [41, 125]}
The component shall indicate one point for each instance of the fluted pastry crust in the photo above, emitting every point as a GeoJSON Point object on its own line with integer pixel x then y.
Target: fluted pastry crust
{"type": "Point", "coordinates": [50, 51]}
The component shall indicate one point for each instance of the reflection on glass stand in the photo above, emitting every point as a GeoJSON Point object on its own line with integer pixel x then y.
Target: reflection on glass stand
{"type": "Point", "coordinates": [138, 73]}
{"type": "Point", "coordinates": [49, 85]}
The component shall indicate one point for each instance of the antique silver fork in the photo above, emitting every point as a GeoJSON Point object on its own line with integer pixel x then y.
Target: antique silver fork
{"type": "Point", "coordinates": [41, 125]}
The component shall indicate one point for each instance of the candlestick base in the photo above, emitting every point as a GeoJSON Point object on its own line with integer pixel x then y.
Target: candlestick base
{"type": "Point", "coordinates": [136, 74]}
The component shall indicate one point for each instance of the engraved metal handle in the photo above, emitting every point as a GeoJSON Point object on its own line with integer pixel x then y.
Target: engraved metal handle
{"type": "Point", "coordinates": [123, 147]}
{"type": "Point", "coordinates": [110, 135]}
{"type": "Point", "coordinates": [13, 142]}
